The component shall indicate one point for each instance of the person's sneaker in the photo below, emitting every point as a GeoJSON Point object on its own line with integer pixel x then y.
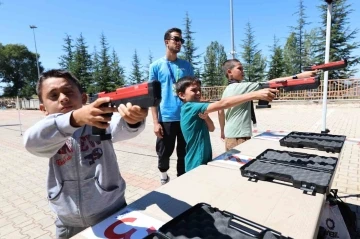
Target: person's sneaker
{"type": "Point", "coordinates": [165, 181]}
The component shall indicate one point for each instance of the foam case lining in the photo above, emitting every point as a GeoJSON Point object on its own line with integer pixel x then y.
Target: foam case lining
{"type": "Point", "coordinates": [323, 142]}
{"type": "Point", "coordinates": [309, 172]}
{"type": "Point", "coordinates": [206, 222]}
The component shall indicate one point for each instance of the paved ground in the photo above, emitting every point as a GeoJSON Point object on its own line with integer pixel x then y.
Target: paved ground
{"type": "Point", "coordinates": [24, 211]}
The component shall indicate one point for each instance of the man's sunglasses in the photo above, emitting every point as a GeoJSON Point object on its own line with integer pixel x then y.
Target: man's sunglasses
{"type": "Point", "coordinates": [178, 39]}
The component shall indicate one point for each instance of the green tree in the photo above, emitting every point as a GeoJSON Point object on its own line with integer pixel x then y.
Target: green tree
{"type": "Point", "coordinates": [104, 81]}
{"type": "Point", "coordinates": [309, 56]}
{"type": "Point", "coordinates": [146, 71]}
{"type": "Point", "coordinates": [290, 55]}
{"type": "Point", "coordinates": [136, 76]}
{"type": "Point", "coordinates": [18, 70]}
{"type": "Point", "coordinates": [95, 72]}
{"type": "Point", "coordinates": [117, 71]}
{"type": "Point", "coordinates": [300, 35]}
{"type": "Point", "coordinates": [342, 44]}
{"type": "Point", "coordinates": [276, 64]}
{"type": "Point", "coordinates": [189, 48]}
{"type": "Point", "coordinates": [253, 62]}
{"type": "Point", "coordinates": [82, 64]}
{"type": "Point", "coordinates": [67, 59]}
{"type": "Point", "coordinates": [197, 72]}
{"type": "Point", "coordinates": [213, 60]}
{"type": "Point", "coordinates": [259, 66]}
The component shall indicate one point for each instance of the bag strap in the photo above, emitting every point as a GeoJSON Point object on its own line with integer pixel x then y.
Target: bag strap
{"type": "Point", "coordinates": [171, 72]}
{"type": "Point", "coordinates": [349, 217]}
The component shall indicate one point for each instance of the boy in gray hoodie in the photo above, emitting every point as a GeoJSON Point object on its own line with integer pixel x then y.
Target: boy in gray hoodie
{"type": "Point", "coordinates": [84, 184]}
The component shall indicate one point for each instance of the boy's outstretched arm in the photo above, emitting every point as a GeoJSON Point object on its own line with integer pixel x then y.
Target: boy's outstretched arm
{"type": "Point", "coordinates": [221, 116]}
{"type": "Point", "coordinates": [228, 102]}
{"type": "Point", "coordinates": [47, 136]}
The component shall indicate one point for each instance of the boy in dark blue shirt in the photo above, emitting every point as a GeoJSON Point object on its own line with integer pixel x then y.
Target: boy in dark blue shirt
{"type": "Point", "coordinates": [195, 123]}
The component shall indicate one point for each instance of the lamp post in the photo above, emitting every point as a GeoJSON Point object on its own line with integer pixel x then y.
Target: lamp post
{"type": "Point", "coordinates": [232, 52]}
{"type": "Point", "coordinates": [324, 130]}
{"type": "Point", "coordinates": [37, 61]}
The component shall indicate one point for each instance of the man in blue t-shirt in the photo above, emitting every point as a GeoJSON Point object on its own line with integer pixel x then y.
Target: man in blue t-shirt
{"type": "Point", "coordinates": [196, 124]}
{"type": "Point", "coordinates": [168, 70]}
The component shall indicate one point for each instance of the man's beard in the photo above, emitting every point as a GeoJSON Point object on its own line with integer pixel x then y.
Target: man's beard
{"type": "Point", "coordinates": [174, 50]}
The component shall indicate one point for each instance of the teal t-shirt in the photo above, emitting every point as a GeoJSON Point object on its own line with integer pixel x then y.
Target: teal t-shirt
{"type": "Point", "coordinates": [238, 118]}
{"type": "Point", "coordinates": [196, 135]}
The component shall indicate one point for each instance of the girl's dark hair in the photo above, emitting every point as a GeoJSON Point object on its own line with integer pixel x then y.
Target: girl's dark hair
{"type": "Point", "coordinates": [58, 74]}
{"type": "Point", "coordinates": [183, 83]}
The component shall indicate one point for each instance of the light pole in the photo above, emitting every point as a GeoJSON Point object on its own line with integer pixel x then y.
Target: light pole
{"type": "Point", "coordinates": [232, 52]}
{"type": "Point", "coordinates": [37, 61]}
{"type": "Point", "coordinates": [324, 130]}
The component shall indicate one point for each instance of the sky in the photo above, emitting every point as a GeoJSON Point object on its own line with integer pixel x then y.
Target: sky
{"type": "Point", "coordinates": [141, 24]}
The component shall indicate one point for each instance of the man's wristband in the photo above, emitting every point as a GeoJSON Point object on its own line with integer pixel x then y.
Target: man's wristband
{"type": "Point", "coordinates": [294, 77]}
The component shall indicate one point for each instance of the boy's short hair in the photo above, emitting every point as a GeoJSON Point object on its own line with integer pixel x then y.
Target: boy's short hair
{"type": "Point", "coordinates": [183, 83]}
{"type": "Point", "coordinates": [58, 73]}
{"type": "Point", "coordinates": [228, 65]}
{"type": "Point", "coordinates": [168, 32]}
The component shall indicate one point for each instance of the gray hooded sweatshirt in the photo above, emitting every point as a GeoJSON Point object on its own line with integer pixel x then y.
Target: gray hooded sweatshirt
{"type": "Point", "coordinates": [84, 182]}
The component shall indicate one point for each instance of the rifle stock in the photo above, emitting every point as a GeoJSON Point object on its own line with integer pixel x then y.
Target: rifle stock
{"type": "Point", "coordinates": [294, 84]}
{"type": "Point", "coordinates": [334, 65]}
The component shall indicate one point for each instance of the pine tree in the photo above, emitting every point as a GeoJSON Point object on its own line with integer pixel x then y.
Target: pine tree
{"type": "Point", "coordinates": [146, 71]}
{"type": "Point", "coordinates": [253, 63]}
{"type": "Point", "coordinates": [95, 73]}
{"type": "Point", "coordinates": [259, 66]}
{"type": "Point", "coordinates": [300, 34]}
{"type": "Point", "coordinates": [342, 44]}
{"type": "Point", "coordinates": [290, 55]}
{"type": "Point", "coordinates": [276, 65]}
{"type": "Point", "coordinates": [197, 73]}
{"type": "Point", "coordinates": [117, 71]}
{"type": "Point", "coordinates": [104, 82]}
{"type": "Point", "coordinates": [189, 48]}
{"type": "Point", "coordinates": [214, 58]}
{"type": "Point", "coordinates": [81, 65]}
{"type": "Point", "coordinates": [67, 59]}
{"type": "Point", "coordinates": [136, 76]}
{"type": "Point", "coordinates": [310, 47]}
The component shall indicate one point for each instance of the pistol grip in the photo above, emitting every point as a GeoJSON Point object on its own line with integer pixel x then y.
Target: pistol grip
{"type": "Point", "coordinates": [100, 134]}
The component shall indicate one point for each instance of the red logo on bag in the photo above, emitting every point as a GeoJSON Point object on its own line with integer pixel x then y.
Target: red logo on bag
{"type": "Point", "coordinates": [110, 233]}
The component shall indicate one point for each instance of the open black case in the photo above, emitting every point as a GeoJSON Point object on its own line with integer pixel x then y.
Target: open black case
{"type": "Point", "coordinates": [308, 172]}
{"type": "Point", "coordinates": [324, 142]}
